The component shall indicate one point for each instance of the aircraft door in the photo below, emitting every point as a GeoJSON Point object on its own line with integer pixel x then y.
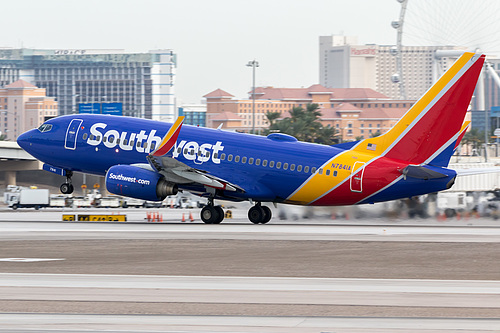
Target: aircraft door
{"type": "Point", "coordinates": [358, 169]}
{"type": "Point", "coordinates": [72, 134]}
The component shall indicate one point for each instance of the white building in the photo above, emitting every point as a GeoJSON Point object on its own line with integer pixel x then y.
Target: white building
{"type": "Point", "coordinates": [346, 64]}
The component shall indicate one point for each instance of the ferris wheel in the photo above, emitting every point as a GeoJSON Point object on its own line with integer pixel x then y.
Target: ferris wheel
{"type": "Point", "coordinates": [473, 25]}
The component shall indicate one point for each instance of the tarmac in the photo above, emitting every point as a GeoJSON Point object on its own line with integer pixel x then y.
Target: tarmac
{"type": "Point", "coordinates": [315, 275]}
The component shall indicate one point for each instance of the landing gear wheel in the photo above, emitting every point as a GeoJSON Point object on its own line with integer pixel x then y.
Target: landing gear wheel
{"type": "Point", "coordinates": [67, 188]}
{"type": "Point", "coordinates": [256, 214]}
{"type": "Point", "coordinates": [209, 215]}
{"type": "Point", "coordinates": [267, 214]}
{"type": "Point", "coordinates": [220, 212]}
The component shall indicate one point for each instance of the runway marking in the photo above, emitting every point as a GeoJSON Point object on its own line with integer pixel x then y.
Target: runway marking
{"type": "Point", "coordinates": [248, 283]}
{"type": "Point", "coordinates": [30, 259]}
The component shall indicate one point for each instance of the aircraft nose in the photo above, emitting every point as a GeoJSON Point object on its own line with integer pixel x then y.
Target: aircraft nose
{"type": "Point", "coordinates": [24, 140]}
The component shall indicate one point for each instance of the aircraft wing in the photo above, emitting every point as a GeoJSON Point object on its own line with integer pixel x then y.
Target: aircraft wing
{"type": "Point", "coordinates": [177, 172]}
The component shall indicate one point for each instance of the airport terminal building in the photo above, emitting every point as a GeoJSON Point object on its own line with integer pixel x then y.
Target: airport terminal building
{"type": "Point", "coordinates": [143, 84]}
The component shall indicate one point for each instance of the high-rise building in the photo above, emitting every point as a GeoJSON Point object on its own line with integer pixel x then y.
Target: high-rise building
{"type": "Point", "coordinates": [346, 64]}
{"type": "Point", "coordinates": [144, 83]}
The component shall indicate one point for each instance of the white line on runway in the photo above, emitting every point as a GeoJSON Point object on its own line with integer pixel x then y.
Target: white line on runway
{"type": "Point", "coordinates": [248, 283]}
{"type": "Point", "coordinates": [13, 230]}
{"type": "Point", "coordinates": [250, 290]}
{"type": "Point", "coordinates": [144, 323]}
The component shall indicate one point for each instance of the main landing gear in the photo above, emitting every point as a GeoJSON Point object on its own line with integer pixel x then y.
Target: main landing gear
{"type": "Point", "coordinates": [67, 187]}
{"type": "Point", "coordinates": [259, 214]}
{"type": "Point", "coordinates": [211, 214]}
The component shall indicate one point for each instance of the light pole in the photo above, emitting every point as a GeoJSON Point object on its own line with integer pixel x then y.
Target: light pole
{"type": "Point", "coordinates": [254, 63]}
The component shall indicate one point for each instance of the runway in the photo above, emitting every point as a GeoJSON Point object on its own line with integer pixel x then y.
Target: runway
{"type": "Point", "coordinates": [283, 277]}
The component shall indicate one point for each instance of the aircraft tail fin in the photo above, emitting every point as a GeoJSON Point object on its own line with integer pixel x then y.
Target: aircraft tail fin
{"type": "Point", "coordinates": [430, 130]}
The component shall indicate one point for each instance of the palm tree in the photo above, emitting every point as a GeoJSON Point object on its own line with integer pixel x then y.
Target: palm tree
{"type": "Point", "coordinates": [305, 125]}
{"type": "Point", "coordinates": [272, 116]}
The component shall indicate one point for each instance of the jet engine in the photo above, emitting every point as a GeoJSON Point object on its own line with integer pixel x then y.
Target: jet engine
{"type": "Point", "coordinates": [135, 182]}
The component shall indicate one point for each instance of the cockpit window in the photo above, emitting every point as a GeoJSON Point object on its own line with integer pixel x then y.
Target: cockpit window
{"type": "Point", "coordinates": [45, 127]}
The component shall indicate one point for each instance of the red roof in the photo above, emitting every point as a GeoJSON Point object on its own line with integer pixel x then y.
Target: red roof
{"type": "Point", "coordinates": [348, 107]}
{"type": "Point", "coordinates": [357, 93]}
{"type": "Point", "coordinates": [272, 93]}
{"type": "Point", "coordinates": [218, 93]}
{"type": "Point", "coordinates": [20, 84]}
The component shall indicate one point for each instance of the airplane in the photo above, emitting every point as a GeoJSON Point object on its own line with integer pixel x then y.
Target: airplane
{"type": "Point", "coordinates": [150, 160]}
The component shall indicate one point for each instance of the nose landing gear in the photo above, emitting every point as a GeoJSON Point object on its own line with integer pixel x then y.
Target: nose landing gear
{"type": "Point", "coordinates": [67, 187]}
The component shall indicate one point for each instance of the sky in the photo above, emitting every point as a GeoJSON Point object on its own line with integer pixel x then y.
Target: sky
{"type": "Point", "coordinates": [213, 39]}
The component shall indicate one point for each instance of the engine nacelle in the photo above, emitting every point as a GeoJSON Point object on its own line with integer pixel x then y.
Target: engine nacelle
{"type": "Point", "coordinates": [135, 182]}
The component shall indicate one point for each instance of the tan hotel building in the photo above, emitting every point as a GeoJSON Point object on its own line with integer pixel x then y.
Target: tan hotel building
{"type": "Point", "coordinates": [24, 106]}
{"type": "Point", "coordinates": [354, 112]}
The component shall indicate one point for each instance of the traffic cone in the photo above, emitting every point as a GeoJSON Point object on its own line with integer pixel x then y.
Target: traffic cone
{"type": "Point", "coordinates": [183, 218]}
{"type": "Point", "coordinates": [191, 218]}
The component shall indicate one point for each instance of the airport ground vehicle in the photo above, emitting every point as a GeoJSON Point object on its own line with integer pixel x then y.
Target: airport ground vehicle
{"type": "Point", "coordinates": [27, 198]}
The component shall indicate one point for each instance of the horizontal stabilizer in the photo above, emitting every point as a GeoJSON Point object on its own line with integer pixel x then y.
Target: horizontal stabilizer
{"type": "Point", "coordinates": [421, 172]}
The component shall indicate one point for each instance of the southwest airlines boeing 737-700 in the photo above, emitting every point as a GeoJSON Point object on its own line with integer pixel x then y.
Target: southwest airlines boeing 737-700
{"type": "Point", "coordinates": [150, 160]}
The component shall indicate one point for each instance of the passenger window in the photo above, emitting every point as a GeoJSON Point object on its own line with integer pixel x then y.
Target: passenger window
{"type": "Point", "coordinates": [250, 160]}
{"type": "Point", "coordinates": [335, 173]}
{"type": "Point", "coordinates": [118, 141]}
{"type": "Point", "coordinates": [306, 169]}
{"type": "Point", "coordinates": [152, 145]}
{"type": "Point", "coordinates": [320, 171]}
{"type": "Point", "coordinates": [131, 143]}
{"type": "Point", "coordinates": [207, 154]}
{"type": "Point", "coordinates": [139, 144]}
{"type": "Point", "coordinates": [237, 158]}
{"type": "Point", "coordinates": [243, 159]}
{"type": "Point", "coordinates": [292, 167]}
{"type": "Point", "coordinates": [299, 168]}
{"type": "Point", "coordinates": [327, 172]}
{"type": "Point", "coordinates": [313, 170]}
{"type": "Point", "coordinates": [222, 156]}
{"type": "Point", "coordinates": [257, 161]}
{"type": "Point", "coordinates": [278, 165]}
{"type": "Point", "coordinates": [85, 136]}
{"type": "Point", "coordinates": [145, 145]}
{"type": "Point", "coordinates": [104, 139]}
{"type": "Point", "coordinates": [264, 163]}
{"type": "Point", "coordinates": [125, 141]}
{"type": "Point", "coordinates": [92, 137]}
{"type": "Point", "coordinates": [271, 164]}
{"type": "Point", "coordinates": [285, 166]}
{"type": "Point", "coordinates": [230, 158]}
